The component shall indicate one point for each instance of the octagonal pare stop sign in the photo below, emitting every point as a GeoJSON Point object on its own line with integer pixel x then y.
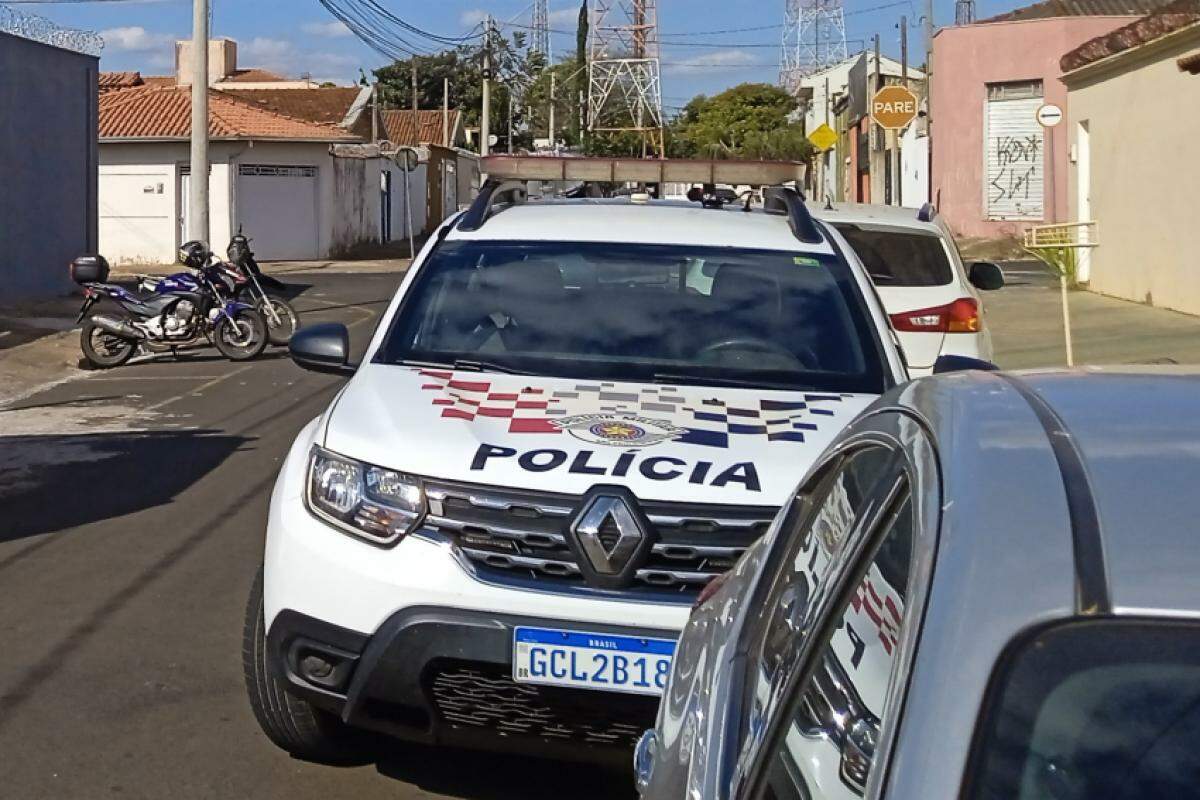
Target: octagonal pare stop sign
{"type": "Point", "coordinates": [893, 107]}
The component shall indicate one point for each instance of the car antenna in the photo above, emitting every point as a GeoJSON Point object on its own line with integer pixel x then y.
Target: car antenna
{"type": "Point", "coordinates": [828, 202]}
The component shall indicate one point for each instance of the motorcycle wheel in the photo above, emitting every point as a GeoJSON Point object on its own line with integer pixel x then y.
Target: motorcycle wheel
{"type": "Point", "coordinates": [279, 333]}
{"type": "Point", "coordinates": [243, 338]}
{"type": "Point", "coordinates": [102, 349]}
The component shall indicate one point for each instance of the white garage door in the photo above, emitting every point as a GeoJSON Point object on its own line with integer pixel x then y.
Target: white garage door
{"type": "Point", "coordinates": [1014, 157]}
{"type": "Point", "coordinates": [276, 206]}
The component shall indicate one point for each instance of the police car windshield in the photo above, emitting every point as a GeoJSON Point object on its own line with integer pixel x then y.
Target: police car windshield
{"type": "Point", "coordinates": [636, 312]}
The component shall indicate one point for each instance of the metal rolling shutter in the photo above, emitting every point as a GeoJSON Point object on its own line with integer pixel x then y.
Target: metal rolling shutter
{"type": "Point", "coordinates": [1014, 152]}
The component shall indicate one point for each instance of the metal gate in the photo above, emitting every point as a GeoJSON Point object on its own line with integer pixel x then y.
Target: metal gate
{"type": "Point", "coordinates": [1014, 152]}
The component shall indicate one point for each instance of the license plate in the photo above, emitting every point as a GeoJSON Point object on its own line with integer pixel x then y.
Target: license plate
{"type": "Point", "coordinates": [600, 661]}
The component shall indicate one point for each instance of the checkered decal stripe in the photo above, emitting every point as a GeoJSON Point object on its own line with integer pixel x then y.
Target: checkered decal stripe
{"type": "Point", "coordinates": [707, 422]}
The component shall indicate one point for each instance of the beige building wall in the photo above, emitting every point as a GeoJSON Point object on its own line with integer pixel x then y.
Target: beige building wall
{"type": "Point", "coordinates": [1133, 122]}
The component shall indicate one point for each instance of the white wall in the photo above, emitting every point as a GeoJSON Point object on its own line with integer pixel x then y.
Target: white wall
{"type": "Point", "coordinates": [140, 227]}
{"type": "Point", "coordinates": [140, 204]}
{"type": "Point", "coordinates": [914, 168]}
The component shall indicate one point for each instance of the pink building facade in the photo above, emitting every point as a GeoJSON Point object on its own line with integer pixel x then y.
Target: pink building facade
{"type": "Point", "coordinates": [995, 170]}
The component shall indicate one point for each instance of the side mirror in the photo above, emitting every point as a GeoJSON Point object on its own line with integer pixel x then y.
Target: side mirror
{"type": "Point", "coordinates": [946, 364]}
{"type": "Point", "coordinates": [322, 348]}
{"type": "Point", "coordinates": [986, 276]}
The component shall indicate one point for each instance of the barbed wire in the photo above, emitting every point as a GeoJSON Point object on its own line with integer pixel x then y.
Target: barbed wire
{"type": "Point", "coordinates": [40, 29]}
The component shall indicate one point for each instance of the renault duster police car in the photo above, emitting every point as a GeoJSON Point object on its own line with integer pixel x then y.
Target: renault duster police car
{"type": "Point", "coordinates": [571, 417]}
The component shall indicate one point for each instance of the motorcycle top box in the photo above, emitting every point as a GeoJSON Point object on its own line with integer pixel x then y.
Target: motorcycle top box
{"type": "Point", "coordinates": [89, 269]}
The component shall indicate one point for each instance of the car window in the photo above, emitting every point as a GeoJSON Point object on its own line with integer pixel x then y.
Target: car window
{"type": "Point", "coordinates": [895, 257]}
{"type": "Point", "coordinates": [805, 567]}
{"type": "Point", "coordinates": [828, 742]}
{"type": "Point", "coordinates": [645, 313]}
{"type": "Point", "coordinates": [1099, 709]}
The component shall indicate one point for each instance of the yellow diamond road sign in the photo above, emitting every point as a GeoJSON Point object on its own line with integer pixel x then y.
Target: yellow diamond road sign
{"type": "Point", "coordinates": [823, 137]}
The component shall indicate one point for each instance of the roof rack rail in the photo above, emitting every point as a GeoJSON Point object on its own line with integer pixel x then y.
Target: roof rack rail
{"type": "Point", "coordinates": [786, 200]}
{"type": "Point", "coordinates": [493, 193]}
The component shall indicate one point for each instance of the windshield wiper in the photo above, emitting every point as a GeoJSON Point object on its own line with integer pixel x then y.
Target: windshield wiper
{"type": "Point", "coordinates": [467, 365]}
{"type": "Point", "coordinates": [663, 377]}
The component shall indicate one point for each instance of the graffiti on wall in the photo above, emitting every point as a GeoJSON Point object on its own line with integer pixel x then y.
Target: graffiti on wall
{"type": "Point", "coordinates": [1017, 161]}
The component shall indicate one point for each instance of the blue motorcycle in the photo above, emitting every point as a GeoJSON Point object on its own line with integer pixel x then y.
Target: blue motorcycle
{"type": "Point", "coordinates": [176, 311]}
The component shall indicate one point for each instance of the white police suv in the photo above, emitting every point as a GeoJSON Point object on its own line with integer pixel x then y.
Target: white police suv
{"type": "Point", "coordinates": [572, 416]}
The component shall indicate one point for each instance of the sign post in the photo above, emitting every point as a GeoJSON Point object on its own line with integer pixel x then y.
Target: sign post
{"type": "Point", "coordinates": [406, 159]}
{"type": "Point", "coordinates": [893, 108]}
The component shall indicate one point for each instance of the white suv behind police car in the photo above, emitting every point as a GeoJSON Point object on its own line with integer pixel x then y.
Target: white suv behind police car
{"type": "Point", "coordinates": [571, 417]}
{"type": "Point", "coordinates": [933, 300]}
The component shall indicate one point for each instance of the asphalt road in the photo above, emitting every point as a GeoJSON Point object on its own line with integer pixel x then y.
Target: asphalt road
{"type": "Point", "coordinates": [132, 510]}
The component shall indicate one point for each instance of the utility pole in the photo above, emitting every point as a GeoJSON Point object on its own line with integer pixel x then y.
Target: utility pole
{"type": "Point", "coordinates": [899, 192]}
{"type": "Point", "coordinates": [198, 182]}
{"type": "Point", "coordinates": [929, 92]}
{"type": "Point", "coordinates": [485, 120]}
{"type": "Point", "coordinates": [552, 86]}
{"type": "Point", "coordinates": [510, 120]}
{"type": "Point", "coordinates": [414, 88]}
{"type": "Point", "coordinates": [445, 112]}
{"type": "Point", "coordinates": [375, 111]}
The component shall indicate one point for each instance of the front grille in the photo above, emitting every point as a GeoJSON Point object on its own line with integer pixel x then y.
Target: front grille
{"type": "Point", "coordinates": [512, 535]}
{"type": "Point", "coordinates": [480, 696]}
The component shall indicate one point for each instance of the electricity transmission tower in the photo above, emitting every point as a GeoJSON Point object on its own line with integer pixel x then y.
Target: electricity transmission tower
{"type": "Point", "coordinates": [814, 37]}
{"type": "Point", "coordinates": [541, 28]}
{"type": "Point", "coordinates": [624, 84]}
{"type": "Point", "coordinates": [964, 12]}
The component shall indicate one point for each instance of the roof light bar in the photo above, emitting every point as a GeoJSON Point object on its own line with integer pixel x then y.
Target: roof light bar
{"type": "Point", "coordinates": [622, 170]}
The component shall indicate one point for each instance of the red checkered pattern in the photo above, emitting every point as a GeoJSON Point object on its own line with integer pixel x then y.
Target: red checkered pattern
{"type": "Point", "coordinates": [467, 399]}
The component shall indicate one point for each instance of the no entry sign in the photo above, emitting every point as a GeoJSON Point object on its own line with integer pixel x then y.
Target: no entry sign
{"type": "Point", "coordinates": [893, 107]}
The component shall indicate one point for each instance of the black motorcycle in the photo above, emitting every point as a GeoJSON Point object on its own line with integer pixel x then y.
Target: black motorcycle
{"type": "Point", "coordinates": [180, 310]}
{"type": "Point", "coordinates": [253, 285]}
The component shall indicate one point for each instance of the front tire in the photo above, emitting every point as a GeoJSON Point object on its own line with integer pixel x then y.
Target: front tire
{"type": "Point", "coordinates": [102, 349]}
{"type": "Point", "coordinates": [243, 338]}
{"type": "Point", "coordinates": [279, 333]}
{"type": "Point", "coordinates": [292, 724]}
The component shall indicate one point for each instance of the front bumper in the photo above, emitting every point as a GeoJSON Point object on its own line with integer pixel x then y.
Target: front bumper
{"type": "Point", "coordinates": [443, 676]}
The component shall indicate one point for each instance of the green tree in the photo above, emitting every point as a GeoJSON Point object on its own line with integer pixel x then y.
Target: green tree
{"type": "Point", "coordinates": [751, 120]}
{"type": "Point", "coordinates": [581, 67]}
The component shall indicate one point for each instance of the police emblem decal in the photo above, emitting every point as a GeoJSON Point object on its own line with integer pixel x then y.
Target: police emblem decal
{"type": "Point", "coordinates": [619, 430]}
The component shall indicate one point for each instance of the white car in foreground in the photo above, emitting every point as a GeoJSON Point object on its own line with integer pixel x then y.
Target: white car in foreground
{"type": "Point", "coordinates": [571, 417]}
{"type": "Point", "coordinates": [931, 297]}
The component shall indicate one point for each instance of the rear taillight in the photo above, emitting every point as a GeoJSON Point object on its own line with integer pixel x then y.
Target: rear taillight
{"type": "Point", "coordinates": [961, 316]}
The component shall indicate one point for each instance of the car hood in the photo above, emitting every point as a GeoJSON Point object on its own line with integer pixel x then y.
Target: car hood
{"type": "Point", "coordinates": [681, 443]}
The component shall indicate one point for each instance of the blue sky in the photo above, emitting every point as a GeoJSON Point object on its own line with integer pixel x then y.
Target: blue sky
{"type": "Point", "coordinates": [299, 36]}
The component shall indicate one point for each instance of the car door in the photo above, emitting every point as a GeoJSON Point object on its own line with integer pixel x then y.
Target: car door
{"type": "Point", "coordinates": [825, 679]}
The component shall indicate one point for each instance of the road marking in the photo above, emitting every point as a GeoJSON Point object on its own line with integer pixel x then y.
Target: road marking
{"type": "Point", "coordinates": [197, 389]}
{"type": "Point", "coordinates": [155, 377]}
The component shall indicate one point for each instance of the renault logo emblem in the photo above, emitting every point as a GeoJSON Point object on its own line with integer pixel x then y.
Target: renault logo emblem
{"type": "Point", "coordinates": [608, 534]}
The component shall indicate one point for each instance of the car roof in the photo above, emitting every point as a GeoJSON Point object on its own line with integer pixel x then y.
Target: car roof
{"type": "Point", "coordinates": [1136, 436]}
{"type": "Point", "coordinates": [1138, 432]}
{"type": "Point", "coordinates": [870, 214]}
{"type": "Point", "coordinates": [651, 222]}
{"type": "Point", "coordinates": [1014, 533]}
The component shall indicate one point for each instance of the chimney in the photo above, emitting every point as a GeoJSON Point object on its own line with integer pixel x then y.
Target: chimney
{"type": "Point", "coordinates": [222, 61]}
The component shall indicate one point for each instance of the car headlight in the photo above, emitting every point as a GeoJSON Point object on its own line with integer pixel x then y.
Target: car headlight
{"type": "Point", "coordinates": [373, 503]}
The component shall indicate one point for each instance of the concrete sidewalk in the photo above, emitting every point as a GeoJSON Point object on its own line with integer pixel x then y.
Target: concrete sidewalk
{"type": "Point", "coordinates": [1027, 329]}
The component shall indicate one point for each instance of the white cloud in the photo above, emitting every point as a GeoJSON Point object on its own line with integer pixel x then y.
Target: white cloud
{"type": "Point", "coordinates": [334, 29]}
{"type": "Point", "coordinates": [469, 19]}
{"type": "Point", "coordinates": [565, 19]}
{"type": "Point", "coordinates": [136, 39]}
{"type": "Point", "coordinates": [262, 49]}
{"type": "Point", "coordinates": [284, 57]}
{"type": "Point", "coordinates": [710, 62]}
